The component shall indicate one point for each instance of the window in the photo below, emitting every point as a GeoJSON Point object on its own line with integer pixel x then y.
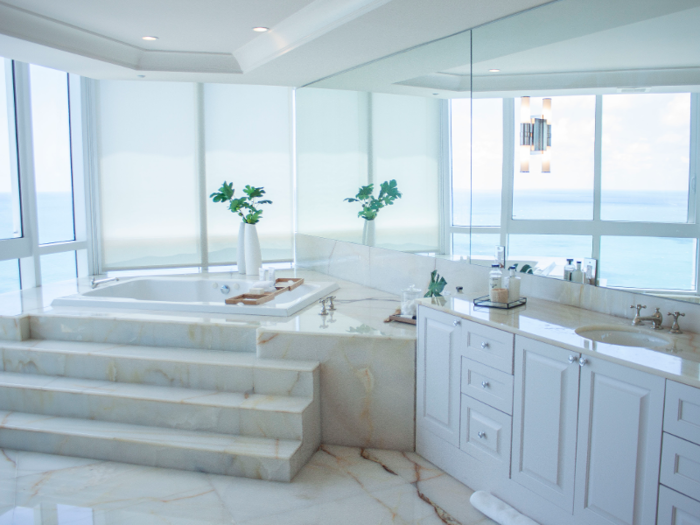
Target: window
{"type": "Point", "coordinates": [646, 212]}
{"type": "Point", "coordinates": [57, 267]}
{"type": "Point", "coordinates": [52, 154]}
{"type": "Point", "coordinates": [9, 276]}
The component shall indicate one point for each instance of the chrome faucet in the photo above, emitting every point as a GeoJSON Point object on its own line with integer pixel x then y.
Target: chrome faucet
{"type": "Point", "coordinates": [95, 283]}
{"type": "Point", "coordinates": [656, 318]}
{"type": "Point", "coordinates": [675, 329]}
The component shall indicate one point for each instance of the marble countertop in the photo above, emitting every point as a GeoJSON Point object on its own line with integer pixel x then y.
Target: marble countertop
{"type": "Point", "coordinates": [555, 323]}
{"type": "Point", "coordinates": [360, 311]}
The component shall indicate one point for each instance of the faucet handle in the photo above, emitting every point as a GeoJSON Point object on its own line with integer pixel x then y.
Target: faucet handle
{"type": "Point", "coordinates": [638, 307]}
{"type": "Point", "coordinates": [330, 302]}
{"type": "Point", "coordinates": [675, 328]}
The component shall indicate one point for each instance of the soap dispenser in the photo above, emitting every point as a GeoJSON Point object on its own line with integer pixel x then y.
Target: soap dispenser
{"type": "Point", "coordinates": [568, 269]}
{"type": "Point", "coordinates": [513, 285]}
{"type": "Point", "coordinates": [577, 274]}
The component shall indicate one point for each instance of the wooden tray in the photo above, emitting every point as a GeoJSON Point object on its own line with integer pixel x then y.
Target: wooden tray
{"type": "Point", "coordinates": [399, 319]}
{"type": "Point", "coordinates": [288, 283]}
{"type": "Point", "coordinates": [282, 284]}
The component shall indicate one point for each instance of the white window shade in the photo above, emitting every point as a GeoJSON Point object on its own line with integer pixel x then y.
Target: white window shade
{"type": "Point", "coordinates": [331, 161]}
{"type": "Point", "coordinates": [147, 174]}
{"type": "Point", "coordinates": [406, 147]}
{"type": "Point", "coordinates": [248, 142]}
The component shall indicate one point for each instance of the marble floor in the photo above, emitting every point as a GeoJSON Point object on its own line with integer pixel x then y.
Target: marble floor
{"type": "Point", "coordinates": [339, 486]}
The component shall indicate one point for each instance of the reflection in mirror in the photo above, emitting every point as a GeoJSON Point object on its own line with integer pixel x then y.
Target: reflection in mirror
{"type": "Point", "coordinates": [580, 142]}
{"type": "Point", "coordinates": [612, 178]}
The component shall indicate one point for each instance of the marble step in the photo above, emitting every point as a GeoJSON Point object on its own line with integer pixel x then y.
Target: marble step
{"type": "Point", "coordinates": [259, 458]}
{"type": "Point", "coordinates": [178, 367]}
{"type": "Point", "coordinates": [256, 415]}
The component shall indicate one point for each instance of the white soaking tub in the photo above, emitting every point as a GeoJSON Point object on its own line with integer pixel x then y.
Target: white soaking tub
{"type": "Point", "coordinates": [184, 294]}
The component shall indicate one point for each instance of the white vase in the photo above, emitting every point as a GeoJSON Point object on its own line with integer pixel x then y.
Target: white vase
{"type": "Point", "coordinates": [253, 257]}
{"type": "Point", "coordinates": [240, 255]}
{"type": "Point", "coordinates": [368, 233]}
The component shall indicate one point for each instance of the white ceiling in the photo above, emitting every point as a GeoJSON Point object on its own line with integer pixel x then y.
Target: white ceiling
{"type": "Point", "coordinates": [213, 41]}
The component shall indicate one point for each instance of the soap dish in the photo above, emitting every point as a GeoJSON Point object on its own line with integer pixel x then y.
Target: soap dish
{"type": "Point", "coordinates": [488, 303]}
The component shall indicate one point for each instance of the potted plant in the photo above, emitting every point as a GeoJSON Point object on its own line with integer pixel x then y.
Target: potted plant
{"type": "Point", "coordinates": [388, 193]}
{"type": "Point", "coordinates": [246, 207]}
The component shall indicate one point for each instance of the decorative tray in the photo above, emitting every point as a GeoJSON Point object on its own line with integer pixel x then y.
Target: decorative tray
{"type": "Point", "coordinates": [282, 284]}
{"type": "Point", "coordinates": [400, 318]}
{"type": "Point", "coordinates": [488, 303]}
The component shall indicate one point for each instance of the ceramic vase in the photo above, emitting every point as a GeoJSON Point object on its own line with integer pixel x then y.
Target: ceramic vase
{"type": "Point", "coordinates": [253, 257]}
{"type": "Point", "coordinates": [240, 256]}
{"type": "Point", "coordinates": [368, 233]}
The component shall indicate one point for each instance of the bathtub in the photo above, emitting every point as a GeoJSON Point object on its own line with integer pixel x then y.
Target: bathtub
{"type": "Point", "coordinates": [194, 295]}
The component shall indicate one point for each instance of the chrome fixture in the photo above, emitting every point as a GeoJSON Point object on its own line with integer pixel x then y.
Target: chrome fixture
{"type": "Point", "coordinates": [481, 434]}
{"type": "Point", "coordinates": [225, 289]}
{"type": "Point", "coordinates": [484, 345]}
{"type": "Point", "coordinates": [95, 283]}
{"type": "Point", "coordinates": [573, 359]}
{"type": "Point", "coordinates": [675, 329]}
{"type": "Point", "coordinates": [535, 134]}
{"type": "Point", "coordinates": [656, 318]}
{"type": "Point", "coordinates": [331, 306]}
{"type": "Point", "coordinates": [322, 302]}
{"type": "Point", "coordinates": [582, 362]}
{"type": "Point", "coordinates": [456, 322]}
{"type": "Point", "coordinates": [485, 384]}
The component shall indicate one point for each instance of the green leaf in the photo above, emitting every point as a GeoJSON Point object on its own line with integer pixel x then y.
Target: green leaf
{"type": "Point", "coordinates": [436, 286]}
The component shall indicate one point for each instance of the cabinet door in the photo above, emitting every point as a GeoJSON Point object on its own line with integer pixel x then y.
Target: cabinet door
{"type": "Point", "coordinates": [677, 509]}
{"type": "Point", "coordinates": [619, 444]}
{"type": "Point", "coordinates": [438, 374]}
{"type": "Point", "coordinates": [545, 409]}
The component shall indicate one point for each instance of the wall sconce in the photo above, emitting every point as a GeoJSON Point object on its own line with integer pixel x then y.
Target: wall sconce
{"type": "Point", "coordinates": [535, 135]}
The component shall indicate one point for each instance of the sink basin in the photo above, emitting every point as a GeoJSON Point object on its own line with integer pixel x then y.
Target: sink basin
{"type": "Point", "coordinates": [625, 336]}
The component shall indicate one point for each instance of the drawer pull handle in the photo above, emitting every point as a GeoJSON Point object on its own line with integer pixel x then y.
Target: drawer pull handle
{"type": "Point", "coordinates": [482, 435]}
{"type": "Point", "coordinates": [583, 361]}
{"type": "Point", "coordinates": [573, 359]}
{"type": "Point", "coordinates": [484, 384]}
{"type": "Point", "coordinates": [484, 344]}
{"type": "Point", "coordinates": [456, 322]}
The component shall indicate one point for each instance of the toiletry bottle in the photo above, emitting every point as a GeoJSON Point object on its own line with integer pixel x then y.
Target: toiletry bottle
{"type": "Point", "coordinates": [513, 286]}
{"type": "Point", "coordinates": [568, 269]}
{"type": "Point", "coordinates": [495, 277]}
{"type": "Point", "coordinates": [577, 274]}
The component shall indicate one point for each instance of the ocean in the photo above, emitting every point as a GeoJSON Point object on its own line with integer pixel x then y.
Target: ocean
{"type": "Point", "coordinates": [641, 262]}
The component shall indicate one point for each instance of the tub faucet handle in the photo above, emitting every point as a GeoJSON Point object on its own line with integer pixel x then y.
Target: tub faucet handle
{"type": "Point", "coordinates": [322, 302]}
{"type": "Point", "coordinates": [675, 328]}
{"type": "Point", "coordinates": [331, 306]}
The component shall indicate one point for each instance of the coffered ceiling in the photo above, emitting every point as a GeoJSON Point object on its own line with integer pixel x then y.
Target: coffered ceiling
{"type": "Point", "coordinates": [213, 40]}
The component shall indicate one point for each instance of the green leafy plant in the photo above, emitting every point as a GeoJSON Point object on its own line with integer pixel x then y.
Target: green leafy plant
{"type": "Point", "coordinates": [436, 286]}
{"type": "Point", "coordinates": [388, 193]}
{"type": "Point", "coordinates": [247, 206]}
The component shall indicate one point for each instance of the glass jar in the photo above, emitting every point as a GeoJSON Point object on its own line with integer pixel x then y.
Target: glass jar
{"type": "Point", "coordinates": [409, 300]}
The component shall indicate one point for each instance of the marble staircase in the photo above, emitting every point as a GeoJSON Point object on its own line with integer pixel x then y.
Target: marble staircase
{"type": "Point", "coordinates": [214, 411]}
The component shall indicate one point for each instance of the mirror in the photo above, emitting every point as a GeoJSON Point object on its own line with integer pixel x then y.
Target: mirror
{"type": "Point", "coordinates": [569, 131]}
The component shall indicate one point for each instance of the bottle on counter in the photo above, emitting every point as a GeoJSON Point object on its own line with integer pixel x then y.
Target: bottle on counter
{"type": "Point", "coordinates": [568, 269]}
{"type": "Point", "coordinates": [495, 277]}
{"type": "Point", "coordinates": [577, 274]}
{"type": "Point", "coordinates": [513, 285]}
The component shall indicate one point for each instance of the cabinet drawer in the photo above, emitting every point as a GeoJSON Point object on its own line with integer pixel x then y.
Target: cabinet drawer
{"type": "Point", "coordinates": [680, 465]}
{"type": "Point", "coordinates": [490, 346]}
{"type": "Point", "coordinates": [491, 386]}
{"type": "Point", "coordinates": [677, 509]}
{"type": "Point", "coordinates": [485, 434]}
{"type": "Point", "coordinates": [682, 411]}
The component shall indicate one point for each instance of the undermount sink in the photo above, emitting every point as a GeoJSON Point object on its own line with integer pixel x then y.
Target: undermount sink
{"type": "Point", "coordinates": [624, 336]}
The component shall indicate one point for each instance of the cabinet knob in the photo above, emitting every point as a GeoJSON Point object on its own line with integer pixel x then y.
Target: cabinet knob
{"type": "Point", "coordinates": [484, 344]}
{"type": "Point", "coordinates": [583, 361]}
{"type": "Point", "coordinates": [484, 384]}
{"type": "Point", "coordinates": [482, 435]}
{"type": "Point", "coordinates": [456, 322]}
{"type": "Point", "coordinates": [573, 359]}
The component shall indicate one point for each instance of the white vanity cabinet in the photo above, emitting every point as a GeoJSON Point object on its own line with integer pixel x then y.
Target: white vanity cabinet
{"type": "Point", "coordinates": [578, 442]}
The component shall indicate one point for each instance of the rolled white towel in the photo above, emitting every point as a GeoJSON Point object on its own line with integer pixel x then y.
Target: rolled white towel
{"type": "Point", "coordinates": [497, 510]}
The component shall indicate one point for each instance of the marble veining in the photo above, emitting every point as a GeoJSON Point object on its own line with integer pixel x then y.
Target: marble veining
{"type": "Point", "coordinates": [556, 323]}
{"type": "Point", "coordinates": [339, 485]}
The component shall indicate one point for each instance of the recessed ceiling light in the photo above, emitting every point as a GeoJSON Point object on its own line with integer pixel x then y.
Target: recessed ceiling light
{"type": "Point", "coordinates": [261, 29]}
{"type": "Point", "coordinates": [436, 94]}
{"type": "Point", "coordinates": [149, 38]}
{"type": "Point", "coordinates": [141, 76]}
{"type": "Point", "coordinates": [494, 70]}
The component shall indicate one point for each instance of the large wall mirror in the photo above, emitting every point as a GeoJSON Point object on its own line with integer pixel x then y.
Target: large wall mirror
{"type": "Point", "coordinates": [569, 131]}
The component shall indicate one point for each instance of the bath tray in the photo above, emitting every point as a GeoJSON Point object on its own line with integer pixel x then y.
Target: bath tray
{"type": "Point", "coordinates": [252, 299]}
{"type": "Point", "coordinates": [488, 303]}
{"type": "Point", "coordinates": [400, 319]}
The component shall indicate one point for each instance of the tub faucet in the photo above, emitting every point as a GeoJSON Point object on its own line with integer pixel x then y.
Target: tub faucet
{"type": "Point", "coordinates": [95, 283]}
{"type": "Point", "coordinates": [656, 318]}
